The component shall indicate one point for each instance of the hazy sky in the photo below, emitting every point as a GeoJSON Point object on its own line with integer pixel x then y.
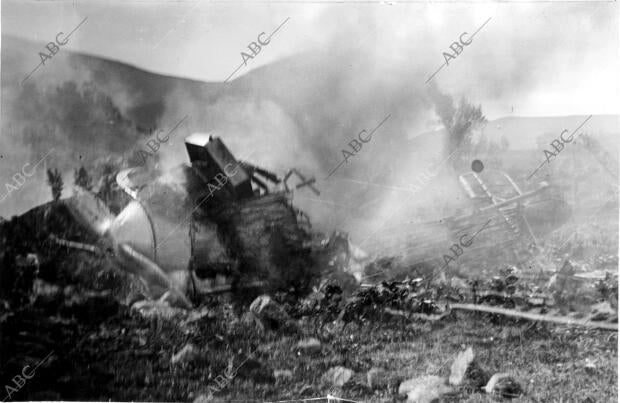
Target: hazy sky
{"type": "Point", "coordinates": [530, 59]}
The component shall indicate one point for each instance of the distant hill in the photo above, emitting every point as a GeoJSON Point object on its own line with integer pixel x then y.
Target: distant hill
{"type": "Point", "coordinates": [298, 112]}
{"type": "Point", "coordinates": [141, 94]}
{"type": "Point", "coordinates": [302, 111]}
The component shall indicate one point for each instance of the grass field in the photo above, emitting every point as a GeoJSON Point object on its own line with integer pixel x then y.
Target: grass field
{"type": "Point", "coordinates": [127, 357]}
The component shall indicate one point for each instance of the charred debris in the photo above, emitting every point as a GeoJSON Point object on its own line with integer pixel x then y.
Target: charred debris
{"type": "Point", "coordinates": [220, 226]}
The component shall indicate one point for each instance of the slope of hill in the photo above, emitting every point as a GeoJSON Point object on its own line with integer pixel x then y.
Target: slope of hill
{"type": "Point", "coordinates": [298, 112]}
{"type": "Point", "coordinates": [140, 94]}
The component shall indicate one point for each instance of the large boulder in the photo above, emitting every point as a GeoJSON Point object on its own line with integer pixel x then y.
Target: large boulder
{"type": "Point", "coordinates": [308, 346]}
{"type": "Point", "coordinates": [338, 376]}
{"type": "Point", "coordinates": [466, 372]}
{"type": "Point", "coordinates": [503, 385]}
{"type": "Point", "coordinates": [269, 315]}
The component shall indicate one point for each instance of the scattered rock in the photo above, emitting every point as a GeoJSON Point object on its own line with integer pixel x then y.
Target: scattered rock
{"type": "Point", "coordinates": [459, 367]}
{"type": "Point", "coordinates": [503, 385]}
{"type": "Point", "coordinates": [187, 354]}
{"type": "Point", "coordinates": [283, 374]}
{"type": "Point", "coordinates": [424, 389]}
{"type": "Point", "coordinates": [203, 398]}
{"type": "Point", "coordinates": [156, 309]}
{"type": "Point", "coordinates": [466, 371]}
{"type": "Point", "coordinates": [308, 346]}
{"type": "Point", "coordinates": [338, 376]}
{"type": "Point", "coordinates": [269, 314]}
{"type": "Point", "coordinates": [377, 378]}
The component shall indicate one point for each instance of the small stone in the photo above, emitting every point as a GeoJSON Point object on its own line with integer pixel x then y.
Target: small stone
{"type": "Point", "coordinates": [203, 398]}
{"type": "Point", "coordinates": [308, 346]}
{"type": "Point", "coordinates": [424, 389]}
{"type": "Point", "coordinates": [459, 366]}
{"type": "Point", "coordinates": [466, 372]}
{"type": "Point", "coordinates": [188, 353]}
{"type": "Point", "coordinates": [283, 374]}
{"type": "Point", "coordinates": [269, 315]}
{"type": "Point", "coordinates": [377, 378]}
{"type": "Point", "coordinates": [503, 385]}
{"type": "Point", "coordinates": [338, 376]}
{"type": "Point", "coordinates": [156, 309]}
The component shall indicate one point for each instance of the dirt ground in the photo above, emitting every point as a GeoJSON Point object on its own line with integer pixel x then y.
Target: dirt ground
{"type": "Point", "coordinates": [127, 357]}
{"type": "Point", "coordinates": [98, 348]}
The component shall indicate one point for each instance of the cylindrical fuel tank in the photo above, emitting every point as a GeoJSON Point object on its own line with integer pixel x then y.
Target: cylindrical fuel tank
{"type": "Point", "coordinates": [157, 225]}
{"type": "Point", "coordinates": [166, 222]}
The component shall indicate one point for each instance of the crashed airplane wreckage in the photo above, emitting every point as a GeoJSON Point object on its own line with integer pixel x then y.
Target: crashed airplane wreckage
{"type": "Point", "coordinates": [503, 217]}
{"type": "Point", "coordinates": [220, 225]}
{"type": "Point", "coordinates": [209, 227]}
